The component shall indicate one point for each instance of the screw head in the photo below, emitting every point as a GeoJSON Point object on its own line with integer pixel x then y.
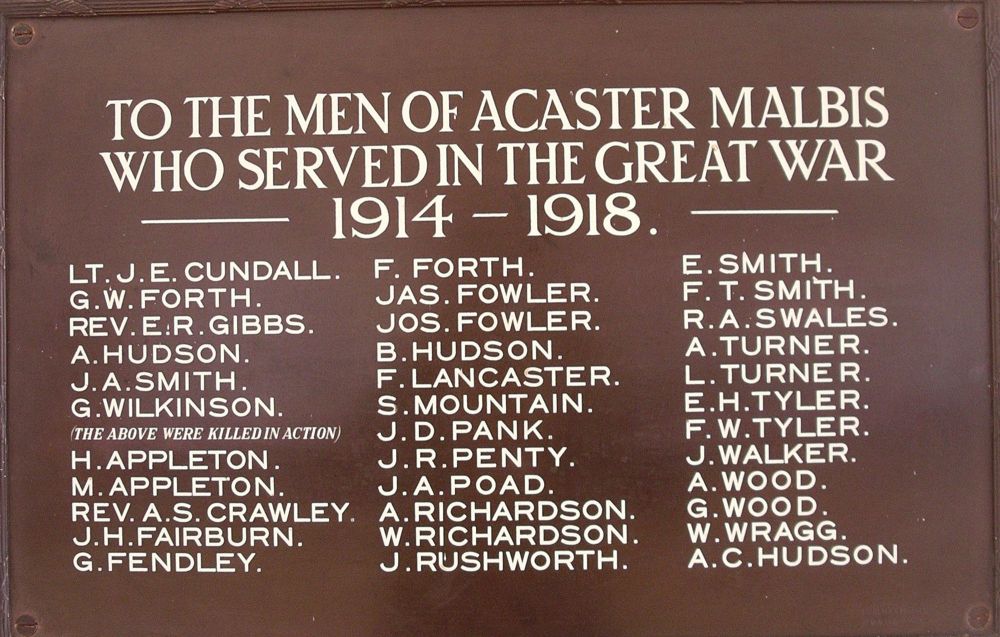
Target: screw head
{"type": "Point", "coordinates": [22, 33]}
{"type": "Point", "coordinates": [26, 625]}
{"type": "Point", "coordinates": [968, 17]}
{"type": "Point", "coordinates": [979, 617]}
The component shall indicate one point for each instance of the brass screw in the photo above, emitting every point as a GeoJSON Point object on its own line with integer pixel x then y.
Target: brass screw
{"type": "Point", "coordinates": [26, 625]}
{"type": "Point", "coordinates": [22, 34]}
{"type": "Point", "coordinates": [979, 617]}
{"type": "Point", "coordinates": [968, 17]}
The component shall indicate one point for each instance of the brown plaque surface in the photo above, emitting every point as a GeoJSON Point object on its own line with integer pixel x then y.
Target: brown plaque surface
{"type": "Point", "coordinates": [508, 320]}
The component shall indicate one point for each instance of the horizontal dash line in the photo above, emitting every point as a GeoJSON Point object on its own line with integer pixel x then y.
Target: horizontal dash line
{"type": "Point", "coordinates": [766, 212]}
{"type": "Point", "coordinates": [489, 214]}
{"type": "Point", "coordinates": [232, 220]}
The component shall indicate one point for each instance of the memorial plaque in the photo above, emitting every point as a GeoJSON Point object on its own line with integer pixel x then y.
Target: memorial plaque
{"type": "Point", "coordinates": [645, 319]}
